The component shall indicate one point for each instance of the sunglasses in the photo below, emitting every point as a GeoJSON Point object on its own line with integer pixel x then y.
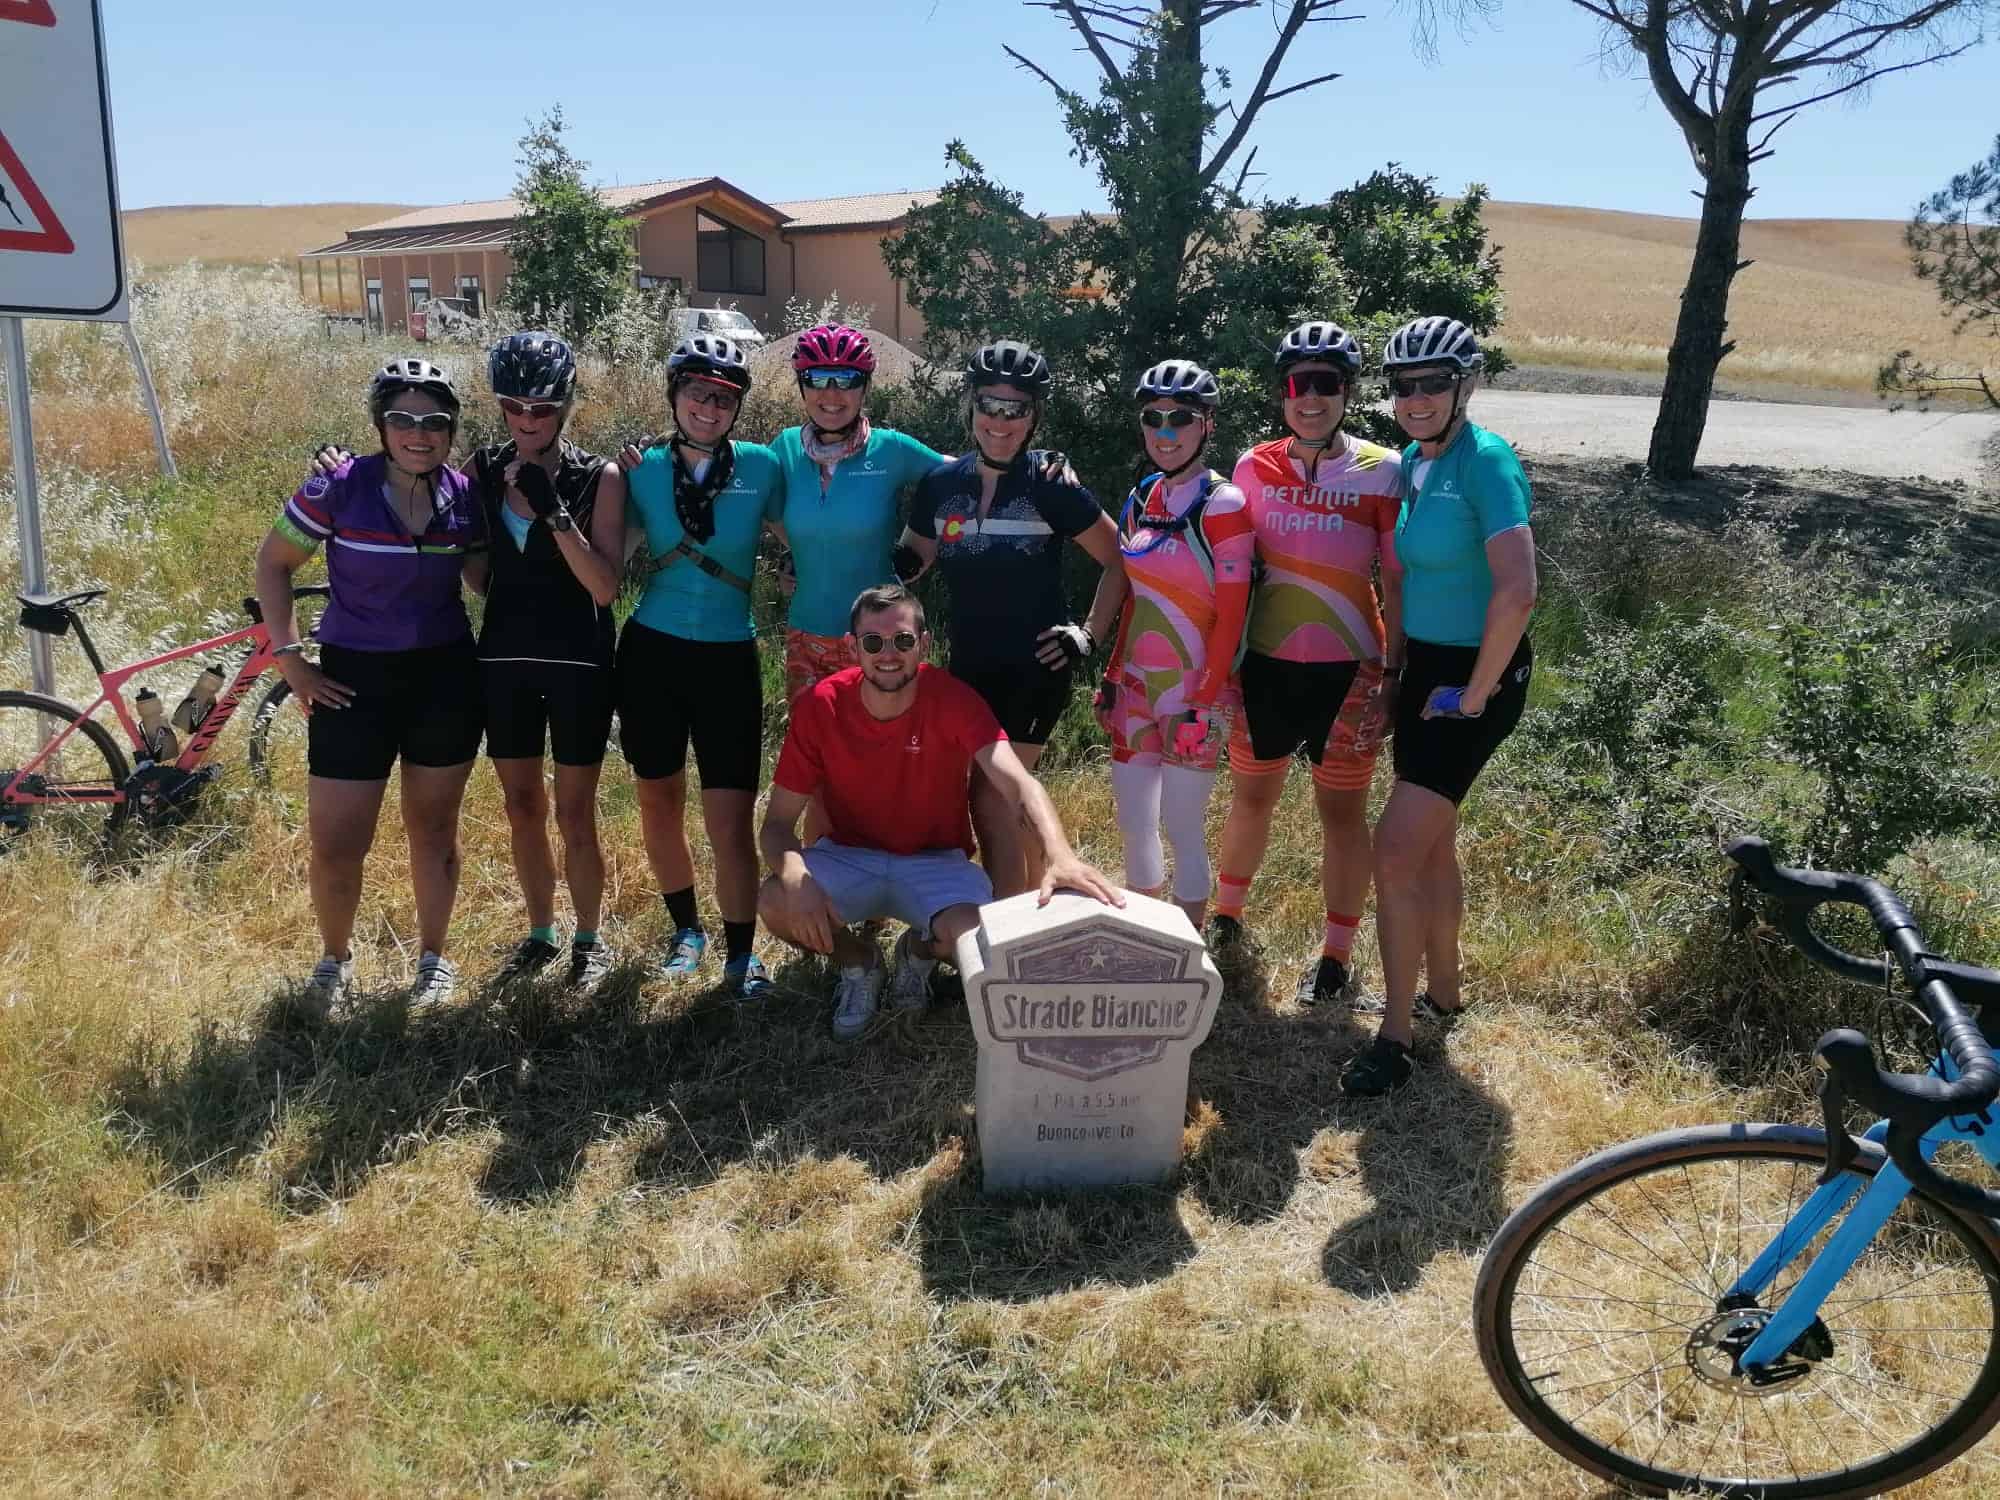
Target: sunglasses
{"type": "Point", "coordinates": [534, 411]}
{"type": "Point", "coordinates": [1315, 383]}
{"type": "Point", "coordinates": [833, 380]}
{"type": "Point", "coordinates": [1421, 385]}
{"type": "Point", "coordinates": [1176, 418]}
{"type": "Point", "coordinates": [872, 642]}
{"type": "Point", "coordinates": [1001, 409]}
{"type": "Point", "coordinates": [414, 421]}
{"type": "Point", "coordinates": [716, 396]}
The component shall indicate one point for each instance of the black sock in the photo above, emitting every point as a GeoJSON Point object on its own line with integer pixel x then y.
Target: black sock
{"type": "Point", "coordinates": [681, 908]}
{"type": "Point", "coordinates": [737, 937]}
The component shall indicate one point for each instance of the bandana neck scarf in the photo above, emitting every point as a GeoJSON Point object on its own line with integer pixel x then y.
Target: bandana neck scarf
{"type": "Point", "coordinates": [694, 499]}
{"type": "Point", "coordinates": [829, 453]}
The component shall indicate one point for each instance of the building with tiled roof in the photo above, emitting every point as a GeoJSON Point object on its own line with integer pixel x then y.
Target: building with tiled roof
{"type": "Point", "coordinates": [716, 243]}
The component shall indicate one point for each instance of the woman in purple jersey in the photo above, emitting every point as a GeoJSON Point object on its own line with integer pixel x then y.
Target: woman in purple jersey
{"type": "Point", "coordinates": [397, 678]}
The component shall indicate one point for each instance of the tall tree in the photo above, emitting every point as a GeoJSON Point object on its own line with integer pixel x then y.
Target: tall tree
{"type": "Point", "coordinates": [573, 254]}
{"type": "Point", "coordinates": [1954, 242]}
{"type": "Point", "coordinates": [1732, 74]}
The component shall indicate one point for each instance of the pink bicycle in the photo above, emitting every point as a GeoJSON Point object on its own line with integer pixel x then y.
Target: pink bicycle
{"type": "Point", "coordinates": [56, 758]}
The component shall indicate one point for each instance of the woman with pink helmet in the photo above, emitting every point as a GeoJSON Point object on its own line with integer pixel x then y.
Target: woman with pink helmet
{"type": "Point", "coordinates": [840, 514]}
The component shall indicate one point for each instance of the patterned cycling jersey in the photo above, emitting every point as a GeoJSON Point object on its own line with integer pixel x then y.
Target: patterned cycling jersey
{"type": "Point", "coordinates": [1177, 643]}
{"type": "Point", "coordinates": [392, 591]}
{"type": "Point", "coordinates": [1318, 541]}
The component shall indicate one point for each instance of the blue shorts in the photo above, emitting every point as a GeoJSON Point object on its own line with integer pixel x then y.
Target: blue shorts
{"type": "Point", "coordinates": [865, 883]}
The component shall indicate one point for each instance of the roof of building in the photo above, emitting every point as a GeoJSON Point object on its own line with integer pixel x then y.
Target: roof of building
{"type": "Point", "coordinates": [486, 224]}
{"type": "Point", "coordinates": [854, 210]}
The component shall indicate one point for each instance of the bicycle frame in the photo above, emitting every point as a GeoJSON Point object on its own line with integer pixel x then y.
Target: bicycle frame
{"type": "Point", "coordinates": [111, 685]}
{"type": "Point", "coordinates": [1864, 1221]}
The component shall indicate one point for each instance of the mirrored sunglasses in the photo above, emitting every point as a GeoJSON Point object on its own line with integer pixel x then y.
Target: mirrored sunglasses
{"type": "Point", "coordinates": [1421, 385]}
{"type": "Point", "coordinates": [873, 641]}
{"type": "Point", "coordinates": [1315, 383]}
{"type": "Point", "coordinates": [1000, 409]}
{"type": "Point", "coordinates": [1176, 418]}
{"type": "Point", "coordinates": [412, 421]}
{"type": "Point", "coordinates": [833, 380]}
{"type": "Point", "coordinates": [534, 411]}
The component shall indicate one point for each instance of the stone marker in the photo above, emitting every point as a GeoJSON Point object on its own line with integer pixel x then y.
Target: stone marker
{"type": "Point", "coordinates": [1086, 1015]}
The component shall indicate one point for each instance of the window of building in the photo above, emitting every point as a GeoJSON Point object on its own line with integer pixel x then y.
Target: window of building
{"type": "Point", "coordinates": [372, 291]}
{"type": "Point", "coordinates": [659, 283]}
{"type": "Point", "coordinates": [420, 291]}
{"type": "Point", "coordinates": [469, 294]}
{"type": "Point", "coordinates": [727, 259]}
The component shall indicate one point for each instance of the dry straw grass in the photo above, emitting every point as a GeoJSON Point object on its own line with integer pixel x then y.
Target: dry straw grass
{"type": "Point", "coordinates": [1825, 304]}
{"type": "Point", "coordinates": [244, 234]}
{"type": "Point", "coordinates": [645, 1244]}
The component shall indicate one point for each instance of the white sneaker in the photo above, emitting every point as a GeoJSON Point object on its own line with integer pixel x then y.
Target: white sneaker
{"type": "Point", "coordinates": [854, 1000]}
{"type": "Point", "coordinates": [910, 982]}
{"type": "Point", "coordinates": [331, 979]}
{"type": "Point", "coordinates": [437, 981]}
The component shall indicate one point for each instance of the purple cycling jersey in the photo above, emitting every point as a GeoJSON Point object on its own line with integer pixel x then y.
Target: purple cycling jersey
{"type": "Point", "coordinates": [391, 591]}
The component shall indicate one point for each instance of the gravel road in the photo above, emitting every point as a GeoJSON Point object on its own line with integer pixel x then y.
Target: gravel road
{"type": "Point", "coordinates": [1891, 445]}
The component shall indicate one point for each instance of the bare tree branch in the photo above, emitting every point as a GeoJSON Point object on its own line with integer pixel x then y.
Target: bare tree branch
{"type": "Point", "coordinates": [1298, 13]}
{"type": "Point", "coordinates": [1787, 110]}
{"type": "Point", "coordinates": [1073, 12]}
{"type": "Point", "coordinates": [1039, 72]}
{"type": "Point", "coordinates": [1276, 94]}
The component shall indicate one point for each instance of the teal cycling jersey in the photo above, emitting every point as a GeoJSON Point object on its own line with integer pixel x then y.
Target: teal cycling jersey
{"type": "Point", "coordinates": [841, 537]}
{"type": "Point", "coordinates": [682, 598]}
{"type": "Point", "coordinates": [1471, 493]}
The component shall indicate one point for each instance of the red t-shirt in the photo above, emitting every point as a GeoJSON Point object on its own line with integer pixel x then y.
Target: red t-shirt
{"type": "Point", "coordinates": [899, 785]}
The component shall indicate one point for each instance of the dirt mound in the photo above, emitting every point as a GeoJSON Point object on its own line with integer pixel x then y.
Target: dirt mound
{"type": "Point", "coordinates": [894, 363]}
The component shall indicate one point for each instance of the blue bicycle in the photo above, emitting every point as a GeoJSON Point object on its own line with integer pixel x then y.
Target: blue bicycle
{"type": "Point", "coordinates": [1768, 1310]}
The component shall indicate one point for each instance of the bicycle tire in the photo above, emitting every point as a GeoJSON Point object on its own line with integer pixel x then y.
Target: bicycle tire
{"type": "Point", "coordinates": [21, 738]}
{"type": "Point", "coordinates": [264, 751]}
{"type": "Point", "coordinates": [1688, 1411]}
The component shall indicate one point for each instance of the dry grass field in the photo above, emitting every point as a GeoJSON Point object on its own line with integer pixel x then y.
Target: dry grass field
{"type": "Point", "coordinates": [1824, 303]}
{"type": "Point", "coordinates": [643, 1243]}
{"type": "Point", "coordinates": [243, 233]}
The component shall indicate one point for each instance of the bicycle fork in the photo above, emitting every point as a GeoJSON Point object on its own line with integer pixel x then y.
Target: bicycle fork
{"type": "Point", "coordinates": [1795, 1316]}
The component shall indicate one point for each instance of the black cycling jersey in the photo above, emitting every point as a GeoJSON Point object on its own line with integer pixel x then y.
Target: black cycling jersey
{"type": "Point", "coordinates": [536, 607]}
{"type": "Point", "coordinates": [1005, 572]}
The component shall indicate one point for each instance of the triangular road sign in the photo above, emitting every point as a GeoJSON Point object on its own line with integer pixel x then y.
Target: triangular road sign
{"type": "Point", "coordinates": [50, 237]}
{"type": "Point", "coordinates": [34, 12]}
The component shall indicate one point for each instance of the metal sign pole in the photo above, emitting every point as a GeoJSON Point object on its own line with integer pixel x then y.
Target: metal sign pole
{"type": "Point", "coordinates": [152, 400]}
{"type": "Point", "coordinates": [27, 501]}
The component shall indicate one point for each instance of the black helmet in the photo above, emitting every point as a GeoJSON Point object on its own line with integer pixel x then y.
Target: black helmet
{"type": "Point", "coordinates": [711, 356]}
{"type": "Point", "coordinates": [1433, 341]}
{"type": "Point", "coordinates": [411, 374]}
{"type": "Point", "coordinates": [1319, 340]}
{"type": "Point", "coordinates": [532, 367]}
{"type": "Point", "coordinates": [1181, 379]}
{"type": "Point", "coordinates": [1008, 362]}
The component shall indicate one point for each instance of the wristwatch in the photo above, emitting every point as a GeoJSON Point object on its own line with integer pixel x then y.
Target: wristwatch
{"type": "Point", "coordinates": [561, 520]}
{"type": "Point", "coordinates": [292, 648]}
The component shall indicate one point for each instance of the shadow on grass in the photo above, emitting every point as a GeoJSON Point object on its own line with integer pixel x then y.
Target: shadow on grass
{"type": "Point", "coordinates": [704, 1082]}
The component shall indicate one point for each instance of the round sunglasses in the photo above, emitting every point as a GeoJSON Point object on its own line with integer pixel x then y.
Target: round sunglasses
{"type": "Point", "coordinates": [872, 641]}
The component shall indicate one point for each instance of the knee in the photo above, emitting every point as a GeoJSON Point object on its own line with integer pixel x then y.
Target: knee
{"type": "Point", "coordinates": [344, 851]}
{"type": "Point", "coordinates": [1257, 795]}
{"type": "Point", "coordinates": [1398, 861]}
{"type": "Point", "coordinates": [949, 925]}
{"type": "Point", "coordinates": [662, 796]}
{"type": "Point", "coordinates": [527, 803]}
{"type": "Point", "coordinates": [576, 820]}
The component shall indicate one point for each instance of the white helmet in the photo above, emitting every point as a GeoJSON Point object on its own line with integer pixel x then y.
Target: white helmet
{"type": "Point", "coordinates": [1433, 341]}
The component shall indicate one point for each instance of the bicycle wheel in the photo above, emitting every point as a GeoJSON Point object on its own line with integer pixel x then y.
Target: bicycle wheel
{"type": "Point", "coordinates": [1597, 1310]}
{"type": "Point", "coordinates": [278, 740]}
{"type": "Point", "coordinates": [79, 786]}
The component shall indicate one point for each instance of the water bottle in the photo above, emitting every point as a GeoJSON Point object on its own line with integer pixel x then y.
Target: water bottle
{"type": "Point", "coordinates": [200, 699]}
{"type": "Point", "coordinates": [159, 739]}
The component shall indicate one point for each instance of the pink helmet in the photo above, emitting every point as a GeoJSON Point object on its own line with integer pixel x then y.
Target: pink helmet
{"type": "Point", "coordinates": [833, 346]}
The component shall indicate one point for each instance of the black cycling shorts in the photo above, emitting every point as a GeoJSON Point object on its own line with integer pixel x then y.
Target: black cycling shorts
{"type": "Point", "coordinates": [1289, 706]}
{"type": "Point", "coordinates": [422, 705]}
{"type": "Point", "coordinates": [532, 703]}
{"type": "Point", "coordinates": [671, 691]}
{"type": "Point", "coordinates": [1027, 700]}
{"type": "Point", "coordinates": [1446, 755]}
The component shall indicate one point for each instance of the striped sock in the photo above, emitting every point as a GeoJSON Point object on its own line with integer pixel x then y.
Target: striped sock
{"type": "Point", "coordinates": [1232, 894]}
{"type": "Point", "coordinates": [1339, 935]}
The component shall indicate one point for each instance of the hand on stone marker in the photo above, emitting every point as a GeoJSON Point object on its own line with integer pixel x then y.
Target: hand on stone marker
{"type": "Point", "coordinates": [1073, 874]}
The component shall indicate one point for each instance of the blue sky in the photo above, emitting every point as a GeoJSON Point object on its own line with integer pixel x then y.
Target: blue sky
{"type": "Point", "coordinates": [232, 101]}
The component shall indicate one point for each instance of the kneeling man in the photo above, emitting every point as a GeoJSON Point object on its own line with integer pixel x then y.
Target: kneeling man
{"type": "Point", "coordinates": [888, 747]}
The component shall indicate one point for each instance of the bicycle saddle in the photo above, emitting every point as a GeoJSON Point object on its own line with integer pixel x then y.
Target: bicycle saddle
{"type": "Point", "coordinates": [61, 601]}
